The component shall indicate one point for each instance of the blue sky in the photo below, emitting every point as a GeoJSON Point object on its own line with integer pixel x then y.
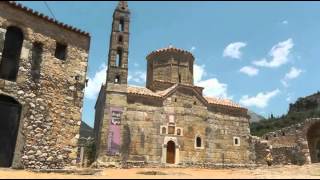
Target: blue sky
{"type": "Point", "coordinates": [263, 55]}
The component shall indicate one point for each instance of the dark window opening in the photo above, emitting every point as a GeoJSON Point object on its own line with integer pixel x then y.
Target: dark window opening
{"type": "Point", "coordinates": [236, 141]}
{"type": "Point", "coordinates": [121, 25]}
{"type": "Point", "coordinates": [175, 99]}
{"type": "Point", "coordinates": [164, 130]}
{"type": "Point", "coordinates": [61, 51]}
{"type": "Point", "coordinates": [195, 103]}
{"type": "Point", "coordinates": [198, 142]}
{"type": "Point", "coordinates": [117, 79]}
{"type": "Point", "coordinates": [120, 39]}
{"type": "Point", "coordinates": [267, 138]}
{"type": "Point", "coordinates": [274, 135]}
{"type": "Point", "coordinates": [178, 132]}
{"type": "Point", "coordinates": [36, 60]}
{"type": "Point", "coordinates": [119, 58]}
{"type": "Point", "coordinates": [283, 134]}
{"type": "Point", "coordinates": [9, 66]}
{"type": "Point", "coordinates": [179, 78]}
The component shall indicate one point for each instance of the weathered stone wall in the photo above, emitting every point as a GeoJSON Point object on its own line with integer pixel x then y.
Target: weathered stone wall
{"type": "Point", "coordinates": [51, 108]}
{"type": "Point", "coordinates": [144, 117]}
{"type": "Point", "coordinates": [295, 144]}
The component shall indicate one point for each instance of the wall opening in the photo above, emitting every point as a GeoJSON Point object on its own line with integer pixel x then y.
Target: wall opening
{"type": "Point", "coordinates": [36, 60]}
{"type": "Point", "coordinates": [119, 58]}
{"type": "Point", "coordinates": [117, 79]}
{"type": "Point", "coordinates": [164, 130]}
{"type": "Point", "coordinates": [61, 51]}
{"type": "Point", "coordinates": [198, 142]}
{"type": "Point", "coordinates": [11, 53]}
{"type": "Point", "coordinates": [121, 25]}
{"type": "Point", "coordinates": [313, 137]}
{"type": "Point", "coordinates": [120, 39]}
{"type": "Point", "coordinates": [171, 152]}
{"type": "Point", "coordinates": [10, 111]}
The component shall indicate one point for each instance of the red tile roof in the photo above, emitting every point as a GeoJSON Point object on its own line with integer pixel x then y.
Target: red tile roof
{"type": "Point", "coordinates": [51, 20]}
{"type": "Point", "coordinates": [159, 94]}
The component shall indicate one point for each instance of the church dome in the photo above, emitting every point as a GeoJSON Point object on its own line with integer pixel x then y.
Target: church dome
{"type": "Point", "coordinates": [167, 66]}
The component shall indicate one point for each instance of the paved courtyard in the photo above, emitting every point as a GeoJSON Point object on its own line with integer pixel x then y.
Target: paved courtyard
{"type": "Point", "coordinates": [292, 172]}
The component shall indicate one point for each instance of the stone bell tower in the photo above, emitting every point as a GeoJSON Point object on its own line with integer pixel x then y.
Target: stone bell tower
{"type": "Point", "coordinates": [117, 72]}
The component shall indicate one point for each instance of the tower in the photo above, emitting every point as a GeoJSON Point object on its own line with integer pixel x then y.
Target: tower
{"type": "Point", "coordinates": [117, 72]}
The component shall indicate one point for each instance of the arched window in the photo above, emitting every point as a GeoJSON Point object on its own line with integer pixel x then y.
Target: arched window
{"type": "Point", "coordinates": [236, 141]}
{"type": "Point", "coordinates": [117, 79]}
{"type": "Point", "coordinates": [179, 78]}
{"type": "Point", "coordinates": [198, 142]}
{"type": "Point", "coordinates": [11, 54]}
{"type": "Point", "coordinates": [164, 130]}
{"type": "Point", "coordinates": [37, 50]}
{"type": "Point", "coordinates": [121, 24]}
{"type": "Point", "coordinates": [119, 57]}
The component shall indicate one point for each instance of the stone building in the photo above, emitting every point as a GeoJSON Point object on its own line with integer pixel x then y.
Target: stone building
{"type": "Point", "coordinates": [295, 144]}
{"type": "Point", "coordinates": [43, 66]}
{"type": "Point", "coordinates": [169, 121]}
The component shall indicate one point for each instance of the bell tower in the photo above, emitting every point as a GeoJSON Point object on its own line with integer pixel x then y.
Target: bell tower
{"type": "Point", "coordinates": [117, 72]}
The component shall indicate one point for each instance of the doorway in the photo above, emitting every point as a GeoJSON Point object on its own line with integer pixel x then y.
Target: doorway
{"type": "Point", "coordinates": [10, 111]}
{"type": "Point", "coordinates": [171, 151]}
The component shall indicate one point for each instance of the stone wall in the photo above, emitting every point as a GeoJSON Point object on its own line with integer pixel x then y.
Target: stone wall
{"type": "Point", "coordinates": [51, 108]}
{"type": "Point", "coordinates": [144, 118]}
{"type": "Point", "coordinates": [294, 144]}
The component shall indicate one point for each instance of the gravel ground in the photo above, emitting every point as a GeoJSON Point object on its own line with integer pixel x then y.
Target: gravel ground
{"type": "Point", "coordinates": [264, 172]}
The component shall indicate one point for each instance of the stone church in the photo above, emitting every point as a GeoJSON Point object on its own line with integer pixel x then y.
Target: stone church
{"type": "Point", "coordinates": [170, 121]}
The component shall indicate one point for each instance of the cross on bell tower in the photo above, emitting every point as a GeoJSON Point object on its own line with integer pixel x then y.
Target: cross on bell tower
{"type": "Point", "coordinates": [117, 72]}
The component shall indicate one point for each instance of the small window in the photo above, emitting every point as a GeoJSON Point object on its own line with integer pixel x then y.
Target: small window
{"type": "Point", "coordinates": [164, 130]}
{"type": "Point", "coordinates": [275, 135]}
{"type": "Point", "coordinates": [117, 79]}
{"type": "Point", "coordinates": [198, 142]}
{"type": "Point", "coordinates": [267, 138]}
{"type": "Point", "coordinates": [175, 99]}
{"type": "Point", "coordinates": [179, 78]}
{"type": "Point", "coordinates": [120, 39]}
{"type": "Point", "coordinates": [283, 134]}
{"type": "Point", "coordinates": [195, 103]}
{"type": "Point", "coordinates": [236, 141]}
{"type": "Point", "coordinates": [121, 25]}
{"type": "Point", "coordinates": [61, 51]}
{"type": "Point", "coordinates": [178, 132]}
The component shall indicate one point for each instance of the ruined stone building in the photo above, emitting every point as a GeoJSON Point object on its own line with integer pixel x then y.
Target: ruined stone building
{"type": "Point", "coordinates": [43, 66]}
{"type": "Point", "coordinates": [295, 144]}
{"type": "Point", "coordinates": [169, 121]}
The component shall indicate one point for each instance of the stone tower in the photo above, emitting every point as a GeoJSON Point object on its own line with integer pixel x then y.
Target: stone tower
{"type": "Point", "coordinates": [119, 43]}
{"type": "Point", "coordinates": [113, 97]}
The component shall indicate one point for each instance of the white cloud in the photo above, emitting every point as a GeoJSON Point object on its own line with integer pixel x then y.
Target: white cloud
{"type": "Point", "coordinates": [233, 50]}
{"type": "Point", "coordinates": [249, 70]}
{"type": "Point", "coordinates": [279, 54]}
{"type": "Point", "coordinates": [137, 77]}
{"type": "Point", "coordinates": [285, 22]}
{"type": "Point", "coordinates": [198, 72]}
{"type": "Point", "coordinates": [192, 49]}
{"type": "Point", "coordinates": [292, 74]}
{"type": "Point", "coordinates": [212, 86]}
{"type": "Point", "coordinates": [94, 84]}
{"type": "Point", "coordinates": [261, 100]}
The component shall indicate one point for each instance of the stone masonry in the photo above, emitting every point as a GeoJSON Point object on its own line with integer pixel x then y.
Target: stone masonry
{"type": "Point", "coordinates": [51, 106]}
{"type": "Point", "coordinates": [168, 122]}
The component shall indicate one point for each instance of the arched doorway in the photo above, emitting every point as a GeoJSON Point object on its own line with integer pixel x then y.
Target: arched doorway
{"type": "Point", "coordinates": [171, 152]}
{"type": "Point", "coordinates": [10, 111]}
{"type": "Point", "coordinates": [313, 136]}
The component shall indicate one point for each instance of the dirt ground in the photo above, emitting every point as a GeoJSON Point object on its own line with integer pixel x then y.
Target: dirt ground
{"type": "Point", "coordinates": [264, 172]}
